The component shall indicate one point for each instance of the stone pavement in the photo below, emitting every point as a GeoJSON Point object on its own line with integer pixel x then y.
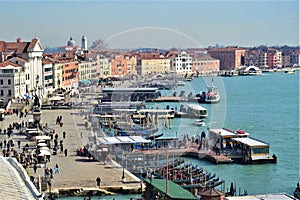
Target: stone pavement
{"type": "Point", "coordinates": [75, 171]}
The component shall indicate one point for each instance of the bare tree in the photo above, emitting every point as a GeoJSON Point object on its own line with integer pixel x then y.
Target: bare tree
{"type": "Point", "coordinates": [99, 45]}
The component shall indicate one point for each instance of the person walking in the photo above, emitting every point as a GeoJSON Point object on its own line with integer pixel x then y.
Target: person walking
{"type": "Point", "coordinates": [98, 181]}
{"type": "Point", "coordinates": [35, 168]}
{"type": "Point", "coordinates": [64, 134]}
{"type": "Point", "coordinates": [56, 170]}
{"type": "Point", "coordinates": [66, 152]}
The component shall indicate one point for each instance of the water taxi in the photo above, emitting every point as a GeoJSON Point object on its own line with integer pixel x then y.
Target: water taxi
{"type": "Point", "coordinates": [289, 71]}
{"type": "Point", "coordinates": [196, 111]}
{"type": "Point", "coordinates": [198, 122]}
{"type": "Point", "coordinates": [191, 111]}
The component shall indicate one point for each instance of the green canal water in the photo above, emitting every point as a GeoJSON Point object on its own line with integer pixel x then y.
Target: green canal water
{"type": "Point", "coordinates": [267, 107]}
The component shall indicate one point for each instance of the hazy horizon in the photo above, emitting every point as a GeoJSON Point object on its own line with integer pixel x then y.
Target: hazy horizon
{"type": "Point", "coordinates": [157, 24]}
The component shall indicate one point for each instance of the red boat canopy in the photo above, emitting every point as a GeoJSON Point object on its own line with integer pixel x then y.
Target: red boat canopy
{"type": "Point", "coordinates": [241, 132]}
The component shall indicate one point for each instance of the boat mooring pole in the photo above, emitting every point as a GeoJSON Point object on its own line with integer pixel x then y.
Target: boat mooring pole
{"type": "Point", "coordinates": [167, 173]}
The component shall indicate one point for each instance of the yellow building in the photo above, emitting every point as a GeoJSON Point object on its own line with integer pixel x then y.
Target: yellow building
{"type": "Point", "coordinates": [57, 75]}
{"type": "Point", "coordinates": [131, 65]}
{"type": "Point", "coordinates": [87, 70]}
{"type": "Point", "coordinates": [147, 66]}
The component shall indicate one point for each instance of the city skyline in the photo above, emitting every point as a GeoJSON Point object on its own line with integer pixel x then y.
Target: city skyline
{"type": "Point", "coordinates": [166, 24]}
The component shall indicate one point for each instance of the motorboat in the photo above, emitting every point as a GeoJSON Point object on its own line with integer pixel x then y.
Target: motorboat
{"type": "Point", "coordinates": [196, 111]}
{"type": "Point", "coordinates": [180, 83]}
{"type": "Point", "coordinates": [289, 71]}
{"type": "Point", "coordinates": [198, 122]}
{"type": "Point", "coordinates": [212, 95]}
{"type": "Point", "coordinates": [297, 191]}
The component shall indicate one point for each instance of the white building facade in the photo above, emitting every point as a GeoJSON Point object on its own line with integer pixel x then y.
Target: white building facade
{"type": "Point", "coordinates": [31, 52]}
{"type": "Point", "coordinates": [103, 66]}
{"type": "Point", "coordinates": [12, 81]}
{"type": "Point", "coordinates": [48, 66]}
{"type": "Point", "coordinates": [182, 63]}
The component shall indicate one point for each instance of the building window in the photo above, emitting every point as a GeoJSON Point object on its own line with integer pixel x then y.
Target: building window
{"type": "Point", "coordinates": [1, 93]}
{"type": "Point", "coordinates": [1, 82]}
{"type": "Point", "coordinates": [9, 82]}
{"type": "Point", "coordinates": [9, 92]}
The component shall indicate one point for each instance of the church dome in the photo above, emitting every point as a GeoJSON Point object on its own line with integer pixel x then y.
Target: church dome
{"type": "Point", "coordinates": [71, 42]}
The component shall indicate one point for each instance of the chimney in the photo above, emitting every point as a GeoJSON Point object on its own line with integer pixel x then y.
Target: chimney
{"type": "Point", "coordinates": [19, 40]}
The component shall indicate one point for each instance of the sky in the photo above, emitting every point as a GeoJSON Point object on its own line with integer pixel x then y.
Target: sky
{"type": "Point", "coordinates": [158, 24]}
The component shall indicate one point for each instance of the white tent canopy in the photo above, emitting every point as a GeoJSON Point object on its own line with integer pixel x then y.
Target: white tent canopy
{"type": "Point", "coordinates": [44, 148]}
{"type": "Point", "coordinates": [56, 98]}
{"type": "Point", "coordinates": [41, 144]}
{"type": "Point", "coordinates": [43, 137]}
{"type": "Point", "coordinates": [44, 153]}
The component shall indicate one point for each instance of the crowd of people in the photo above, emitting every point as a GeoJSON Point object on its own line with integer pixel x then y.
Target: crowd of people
{"type": "Point", "coordinates": [29, 156]}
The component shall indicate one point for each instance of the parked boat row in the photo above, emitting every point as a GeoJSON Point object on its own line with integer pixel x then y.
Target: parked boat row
{"type": "Point", "coordinates": [188, 176]}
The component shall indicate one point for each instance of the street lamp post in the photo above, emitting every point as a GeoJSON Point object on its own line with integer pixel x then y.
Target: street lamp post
{"type": "Point", "coordinates": [36, 85]}
{"type": "Point", "coordinates": [123, 173]}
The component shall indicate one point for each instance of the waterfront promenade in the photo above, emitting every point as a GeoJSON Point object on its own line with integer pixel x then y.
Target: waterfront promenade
{"type": "Point", "coordinates": [76, 174]}
{"type": "Point", "coordinates": [76, 171]}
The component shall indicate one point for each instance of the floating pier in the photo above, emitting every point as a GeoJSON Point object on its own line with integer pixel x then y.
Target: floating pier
{"type": "Point", "coordinates": [218, 159]}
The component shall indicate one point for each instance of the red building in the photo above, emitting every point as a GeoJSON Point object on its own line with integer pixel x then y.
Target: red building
{"type": "Point", "coordinates": [230, 58]}
{"type": "Point", "coordinates": [272, 58]}
{"type": "Point", "coordinates": [119, 66]}
{"type": "Point", "coordinates": [70, 74]}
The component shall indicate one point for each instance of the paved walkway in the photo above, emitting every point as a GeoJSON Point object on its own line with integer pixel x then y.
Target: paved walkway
{"type": "Point", "coordinates": [76, 171]}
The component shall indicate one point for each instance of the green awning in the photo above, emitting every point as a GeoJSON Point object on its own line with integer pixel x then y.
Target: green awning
{"type": "Point", "coordinates": [93, 80]}
{"type": "Point", "coordinates": [174, 190]}
{"type": "Point", "coordinates": [85, 82]}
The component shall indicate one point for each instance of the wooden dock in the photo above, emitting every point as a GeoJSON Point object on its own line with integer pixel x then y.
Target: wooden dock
{"type": "Point", "coordinates": [218, 159]}
{"type": "Point", "coordinates": [192, 151]}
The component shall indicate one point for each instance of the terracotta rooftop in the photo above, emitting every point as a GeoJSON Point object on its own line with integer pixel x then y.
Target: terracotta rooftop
{"type": "Point", "coordinates": [32, 44]}
{"type": "Point", "coordinates": [156, 58]}
{"type": "Point", "coordinates": [226, 49]}
{"type": "Point", "coordinates": [47, 61]}
{"type": "Point", "coordinates": [17, 47]}
{"type": "Point", "coordinates": [21, 59]}
{"type": "Point", "coordinates": [199, 57]}
{"type": "Point", "coordinates": [7, 63]}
